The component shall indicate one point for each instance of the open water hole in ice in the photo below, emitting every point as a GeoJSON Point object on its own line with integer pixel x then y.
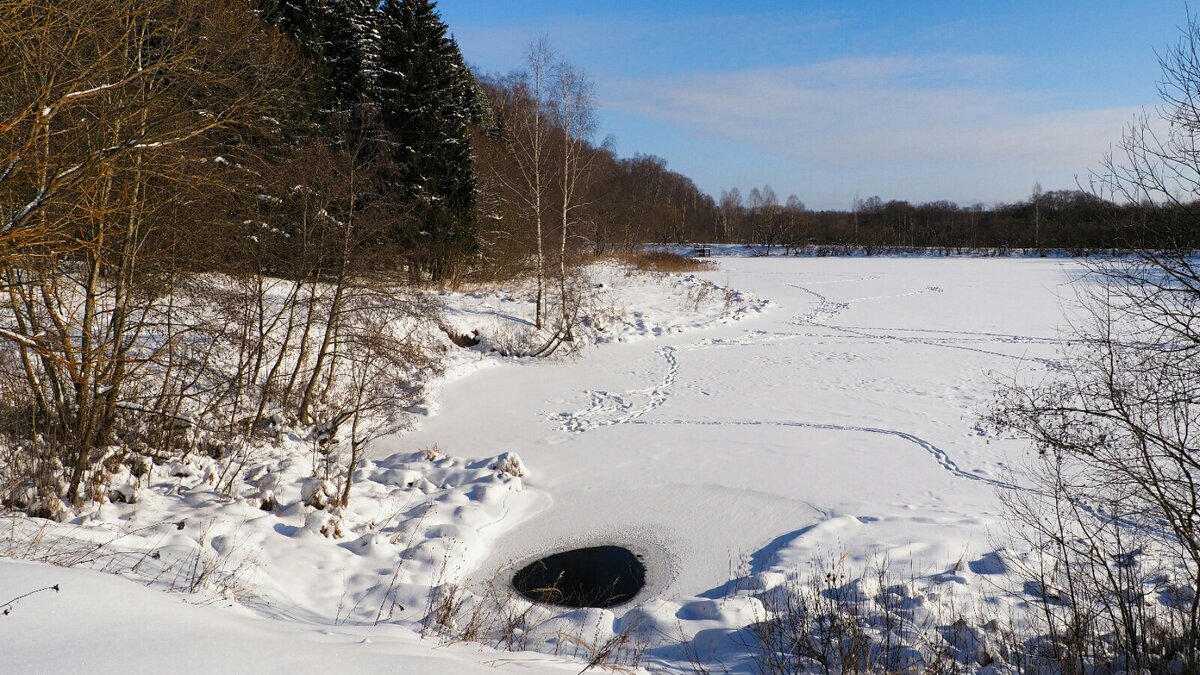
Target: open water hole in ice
{"type": "Point", "coordinates": [597, 576]}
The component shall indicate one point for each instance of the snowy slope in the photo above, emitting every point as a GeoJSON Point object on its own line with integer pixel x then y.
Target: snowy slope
{"type": "Point", "coordinates": [100, 623]}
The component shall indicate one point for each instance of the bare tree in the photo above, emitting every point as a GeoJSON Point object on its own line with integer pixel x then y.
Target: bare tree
{"type": "Point", "coordinates": [527, 131]}
{"type": "Point", "coordinates": [108, 119]}
{"type": "Point", "coordinates": [1036, 198]}
{"type": "Point", "coordinates": [1116, 519]}
{"type": "Point", "coordinates": [793, 230]}
{"type": "Point", "coordinates": [730, 213]}
{"type": "Point", "coordinates": [572, 106]}
{"type": "Point", "coordinates": [768, 216]}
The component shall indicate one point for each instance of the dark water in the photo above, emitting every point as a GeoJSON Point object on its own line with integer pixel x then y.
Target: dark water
{"type": "Point", "coordinates": [599, 576]}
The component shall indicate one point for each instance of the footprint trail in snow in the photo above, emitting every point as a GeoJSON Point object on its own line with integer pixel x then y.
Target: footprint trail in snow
{"type": "Point", "coordinates": [610, 408]}
{"type": "Point", "coordinates": [606, 408]}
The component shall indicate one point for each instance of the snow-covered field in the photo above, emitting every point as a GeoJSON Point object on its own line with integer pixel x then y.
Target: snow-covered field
{"type": "Point", "coordinates": [729, 441]}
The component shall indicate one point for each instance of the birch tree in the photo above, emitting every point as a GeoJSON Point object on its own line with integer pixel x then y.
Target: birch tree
{"type": "Point", "coordinates": [528, 132]}
{"type": "Point", "coordinates": [573, 108]}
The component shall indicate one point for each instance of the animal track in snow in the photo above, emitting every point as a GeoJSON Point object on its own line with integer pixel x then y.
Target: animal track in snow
{"type": "Point", "coordinates": [826, 310]}
{"type": "Point", "coordinates": [884, 335]}
{"type": "Point", "coordinates": [606, 408]}
{"type": "Point", "coordinates": [924, 291]}
{"type": "Point", "coordinates": [941, 456]}
{"type": "Point", "coordinates": [970, 336]}
{"type": "Point", "coordinates": [822, 313]}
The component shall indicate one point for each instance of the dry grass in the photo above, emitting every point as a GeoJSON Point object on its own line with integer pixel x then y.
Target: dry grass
{"type": "Point", "coordinates": [662, 261]}
{"type": "Point", "coordinates": [500, 618]}
{"type": "Point", "coordinates": [870, 619]}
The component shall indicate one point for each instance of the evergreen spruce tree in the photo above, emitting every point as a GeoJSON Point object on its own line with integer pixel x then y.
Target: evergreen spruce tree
{"type": "Point", "coordinates": [348, 52]}
{"type": "Point", "coordinates": [294, 18]}
{"type": "Point", "coordinates": [340, 38]}
{"type": "Point", "coordinates": [428, 99]}
{"type": "Point", "coordinates": [396, 65]}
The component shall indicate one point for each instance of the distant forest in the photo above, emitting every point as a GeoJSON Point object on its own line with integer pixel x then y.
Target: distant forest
{"type": "Point", "coordinates": [1072, 221]}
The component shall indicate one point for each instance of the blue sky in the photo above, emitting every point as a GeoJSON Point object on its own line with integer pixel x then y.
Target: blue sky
{"type": "Point", "coordinates": [967, 101]}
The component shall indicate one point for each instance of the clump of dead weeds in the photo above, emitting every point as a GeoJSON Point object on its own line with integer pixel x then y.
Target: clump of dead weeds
{"type": "Point", "coordinates": [663, 261]}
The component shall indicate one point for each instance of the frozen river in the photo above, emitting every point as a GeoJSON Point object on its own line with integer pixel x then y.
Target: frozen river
{"type": "Point", "coordinates": [847, 418]}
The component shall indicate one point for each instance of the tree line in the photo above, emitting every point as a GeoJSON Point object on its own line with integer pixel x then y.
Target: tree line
{"type": "Point", "coordinates": [1074, 221]}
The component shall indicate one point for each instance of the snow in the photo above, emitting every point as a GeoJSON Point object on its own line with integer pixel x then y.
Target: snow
{"type": "Point", "coordinates": [869, 371]}
{"type": "Point", "coordinates": [847, 419]}
{"type": "Point", "coordinates": [724, 437]}
{"type": "Point", "coordinates": [100, 623]}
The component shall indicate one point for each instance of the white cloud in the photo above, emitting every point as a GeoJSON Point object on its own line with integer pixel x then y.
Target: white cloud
{"type": "Point", "coordinates": [868, 111]}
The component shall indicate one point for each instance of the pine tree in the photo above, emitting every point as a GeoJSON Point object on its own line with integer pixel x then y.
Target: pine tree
{"type": "Point", "coordinates": [428, 99]}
